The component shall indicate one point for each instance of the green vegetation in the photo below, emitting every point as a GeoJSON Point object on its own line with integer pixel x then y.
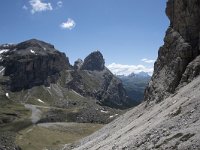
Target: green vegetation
{"type": "Point", "coordinates": [14, 117]}
{"type": "Point", "coordinates": [52, 104]}
{"type": "Point", "coordinates": [53, 136]}
{"type": "Point", "coordinates": [31, 96]}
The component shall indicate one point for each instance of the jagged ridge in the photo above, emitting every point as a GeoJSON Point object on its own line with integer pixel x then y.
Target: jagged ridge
{"type": "Point", "coordinates": [34, 63]}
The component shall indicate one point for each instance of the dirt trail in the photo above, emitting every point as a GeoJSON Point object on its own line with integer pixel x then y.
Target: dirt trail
{"type": "Point", "coordinates": [36, 113]}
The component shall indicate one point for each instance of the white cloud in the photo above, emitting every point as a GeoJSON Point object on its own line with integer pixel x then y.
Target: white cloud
{"type": "Point", "coordinates": [148, 60]}
{"type": "Point", "coordinates": [39, 6]}
{"type": "Point", "coordinates": [25, 7]}
{"type": "Point", "coordinates": [59, 3]}
{"type": "Point", "coordinates": [120, 69]}
{"type": "Point", "coordinates": [69, 24]}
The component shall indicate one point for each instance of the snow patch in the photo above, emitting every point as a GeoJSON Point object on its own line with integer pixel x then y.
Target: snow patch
{"type": "Point", "coordinates": [6, 45]}
{"type": "Point", "coordinates": [32, 51]}
{"type": "Point", "coordinates": [113, 116]}
{"type": "Point", "coordinates": [3, 51]}
{"type": "Point", "coordinates": [103, 111]}
{"type": "Point", "coordinates": [7, 95]}
{"type": "Point", "coordinates": [39, 100]}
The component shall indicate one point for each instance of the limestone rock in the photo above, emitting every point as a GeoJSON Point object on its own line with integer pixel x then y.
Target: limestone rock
{"type": "Point", "coordinates": [32, 63]}
{"type": "Point", "coordinates": [181, 46]}
{"type": "Point", "coordinates": [94, 61]}
{"type": "Point", "coordinates": [192, 71]}
{"type": "Point", "coordinates": [78, 64]}
{"type": "Point", "coordinates": [100, 85]}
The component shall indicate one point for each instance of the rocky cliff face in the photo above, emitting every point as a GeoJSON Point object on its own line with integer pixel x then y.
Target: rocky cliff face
{"type": "Point", "coordinates": [178, 58]}
{"type": "Point", "coordinates": [94, 61]}
{"type": "Point", "coordinates": [78, 64]}
{"type": "Point", "coordinates": [32, 63]}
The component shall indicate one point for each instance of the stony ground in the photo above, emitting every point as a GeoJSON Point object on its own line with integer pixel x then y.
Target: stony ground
{"type": "Point", "coordinates": [171, 124]}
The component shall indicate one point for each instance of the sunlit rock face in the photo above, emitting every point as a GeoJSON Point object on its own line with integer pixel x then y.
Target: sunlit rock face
{"type": "Point", "coordinates": [92, 78]}
{"type": "Point", "coordinates": [178, 61]}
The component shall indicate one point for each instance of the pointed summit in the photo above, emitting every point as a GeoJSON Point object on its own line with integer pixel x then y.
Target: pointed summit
{"type": "Point", "coordinates": [94, 61]}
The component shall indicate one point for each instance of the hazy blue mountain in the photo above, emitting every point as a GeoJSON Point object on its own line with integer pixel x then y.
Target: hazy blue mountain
{"type": "Point", "coordinates": [135, 85]}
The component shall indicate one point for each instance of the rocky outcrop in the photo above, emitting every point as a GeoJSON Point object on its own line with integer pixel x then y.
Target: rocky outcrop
{"type": "Point", "coordinates": [94, 80]}
{"type": "Point", "coordinates": [178, 60]}
{"type": "Point", "coordinates": [78, 64]}
{"type": "Point", "coordinates": [32, 63]}
{"type": "Point", "coordinates": [185, 18]}
{"type": "Point", "coordinates": [192, 71]}
{"type": "Point", "coordinates": [94, 61]}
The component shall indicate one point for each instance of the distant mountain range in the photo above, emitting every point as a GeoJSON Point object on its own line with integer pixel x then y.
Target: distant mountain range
{"type": "Point", "coordinates": [135, 85]}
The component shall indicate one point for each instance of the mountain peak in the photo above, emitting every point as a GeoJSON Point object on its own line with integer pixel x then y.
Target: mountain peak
{"type": "Point", "coordinates": [143, 74]}
{"type": "Point", "coordinates": [132, 75]}
{"type": "Point", "coordinates": [94, 61]}
{"type": "Point", "coordinates": [34, 62]}
{"type": "Point", "coordinates": [35, 44]}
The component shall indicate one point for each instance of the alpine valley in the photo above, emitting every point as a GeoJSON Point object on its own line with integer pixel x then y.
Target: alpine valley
{"type": "Point", "coordinates": [48, 104]}
{"type": "Point", "coordinates": [40, 92]}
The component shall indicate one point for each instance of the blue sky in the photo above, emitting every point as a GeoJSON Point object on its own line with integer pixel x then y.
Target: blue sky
{"type": "Point", "coordinates": [125, 31]}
